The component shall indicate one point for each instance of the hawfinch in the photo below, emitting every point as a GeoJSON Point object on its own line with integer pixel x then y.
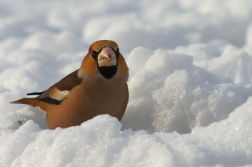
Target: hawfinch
{"type": "Point", "coordinates": [98, 87]}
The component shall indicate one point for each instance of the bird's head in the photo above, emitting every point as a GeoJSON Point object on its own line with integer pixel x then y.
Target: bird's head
{"type": "Point", "coordinates": [103, 59]}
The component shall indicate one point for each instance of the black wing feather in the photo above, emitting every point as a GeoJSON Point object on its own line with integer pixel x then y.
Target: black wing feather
{"type": "Point", "coordinates": [35, 93]}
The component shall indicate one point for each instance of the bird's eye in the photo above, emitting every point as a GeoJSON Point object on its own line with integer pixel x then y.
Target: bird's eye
{"type": "Point", "coordinates": [117, 52]}
{"type": "Point", "coordinates": [94, 54]}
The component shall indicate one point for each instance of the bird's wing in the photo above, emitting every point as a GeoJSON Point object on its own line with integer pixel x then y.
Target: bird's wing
{"type": "Point", "coordinates": [56, 93]}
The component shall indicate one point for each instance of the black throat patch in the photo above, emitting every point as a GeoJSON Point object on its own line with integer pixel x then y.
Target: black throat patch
{"type": "Point", "coordinates": [108, 72]}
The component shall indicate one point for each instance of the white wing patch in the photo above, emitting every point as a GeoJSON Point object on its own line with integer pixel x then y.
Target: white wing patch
{"type": "Point", "coordinates": [57, 94]}
{"type": "Point", "coordinates": [61, 95]}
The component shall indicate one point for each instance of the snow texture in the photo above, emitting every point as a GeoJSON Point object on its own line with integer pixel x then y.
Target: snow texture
{"type": "Point", "coordinates": [190, 82]}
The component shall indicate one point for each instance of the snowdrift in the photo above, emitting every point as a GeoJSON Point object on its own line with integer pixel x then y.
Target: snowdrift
{"type": "Point", "coordinates": [190, 82]}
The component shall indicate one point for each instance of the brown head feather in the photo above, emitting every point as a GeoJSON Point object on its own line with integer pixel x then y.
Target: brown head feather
{"type": "Point", "coordinates": [98, 45]}
{"type": "Point", "coordinates": [89, 65]}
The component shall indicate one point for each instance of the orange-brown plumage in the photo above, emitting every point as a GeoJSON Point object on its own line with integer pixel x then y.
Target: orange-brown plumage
{"type": "Point", "coordinates": [98, 87]}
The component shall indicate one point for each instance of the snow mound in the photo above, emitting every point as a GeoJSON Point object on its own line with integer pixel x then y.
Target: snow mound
{"type": "Point", "coordinates": [168, 93]}
{"type": "Point", "coordinates": [99, 142]}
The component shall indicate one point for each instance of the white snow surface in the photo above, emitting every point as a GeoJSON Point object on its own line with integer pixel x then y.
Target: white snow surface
{"type": "Point", "coordinates": [190, 82]}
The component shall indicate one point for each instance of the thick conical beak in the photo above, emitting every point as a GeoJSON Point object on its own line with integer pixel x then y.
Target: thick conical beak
{"type": "Point", "coordinates": [106, 57]}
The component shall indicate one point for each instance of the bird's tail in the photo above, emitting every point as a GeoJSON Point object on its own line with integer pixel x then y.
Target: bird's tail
{"type": "Point", "coordinates": [32, 102]}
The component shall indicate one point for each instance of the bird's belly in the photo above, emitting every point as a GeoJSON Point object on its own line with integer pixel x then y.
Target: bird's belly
{"type": "Point", "coordinates": [88, 103]}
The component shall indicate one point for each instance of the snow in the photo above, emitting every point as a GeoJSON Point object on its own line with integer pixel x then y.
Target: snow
{"type": "Point", "coordinates": [190, 82]}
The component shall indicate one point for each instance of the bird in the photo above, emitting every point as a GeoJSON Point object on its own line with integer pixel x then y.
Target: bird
{"type": "Point", "coordinates": [98, 87]}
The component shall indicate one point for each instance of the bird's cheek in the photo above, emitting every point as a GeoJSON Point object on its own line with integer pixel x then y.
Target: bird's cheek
{"type": "Point", "coordinates": [88, 68]}
{"type": "Point", "coordinates": [122, 67]}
